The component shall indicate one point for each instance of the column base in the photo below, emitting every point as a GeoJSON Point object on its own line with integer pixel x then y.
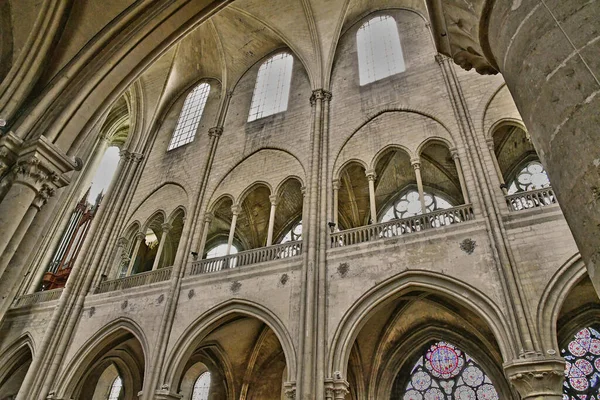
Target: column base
{"type": "Point", "coordinates": [538, 377]}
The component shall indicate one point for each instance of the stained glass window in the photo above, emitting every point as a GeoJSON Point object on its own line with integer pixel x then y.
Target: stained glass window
{"type": "Point", "coordinates": [531, 177]}
{"type": "Point", "coordinates": [294, 234]}
{"type": "Point", "coordinates": [272, 88]}
{"type": "Point", "coordinates": [115, 389]}
{"type": "Point", "coordinates": [445, 372]}
{"type": "Point", "coordinates": [582, 369]}
{"type": "Point", "coordinates": [201, 387]}
{"type": "Point", "coordinates": [189, 119]}
{"type": "Point", "coordinates": [379, 49]}
{"type": "Point", "coordinates": [409, 205]}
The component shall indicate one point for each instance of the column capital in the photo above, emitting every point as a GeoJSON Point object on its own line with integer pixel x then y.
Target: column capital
{"type": "Point", "coordinates": [320, 94]}
{"type": "Point", "coordinates": [216, 131]}
{"type": "Point", "coordinates": [274, 199]}
{"type": "Point", "coordinates": [235, 209]}
{"type": "Point", "coordinates": [208, 217]}
{"type": "Point", "coordinates": [42, 197]}
{"type": "Point", "coordinates": [289, 390]}
{"type": "Point", "coordinates": [454, 153]}
{"type": "Point", "coordinates": [336, 184]}
{"type": "Point", "coordinates": [371, 174]}
{"type": "Point", "coordinates": [166, 227]}
{"type": "Point", "coordinates": [122, 242]}
{"type": "Point", "coordinates": [303, 191]}
{"type": "Point", "coordinates": [336, 388]}
{"type": "Point", "coordinates": [537, 377]}
{"type": "Point", "coordinates": [415, 162]}
{"type": "Point", "coordinates": [490, 143]}
{"type": "Point", "coordinates": [9, 150]}
{"type": "Point", "coordinates": [165, 394]}
{"type": "Point", "coordinates": [140, 236]}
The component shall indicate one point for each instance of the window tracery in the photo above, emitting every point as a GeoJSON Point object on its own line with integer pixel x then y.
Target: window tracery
{"type": "Point", "coordinates": [409, 205]}
{"type": "Point", "coordinates": [272, 89]}
{"type": "Point", "coordinates": [201, 387]}
{"type": "Point", "coordinates": [115, 389]}
{"type": "Point", "coordinates": [379, 49]}
{"type": "Point", "coordinates": [582, 368]}
{"type": "Point", "coordinates": [445, 372]}
{"type": "Point", "coordinates": [190, 116]}
{"type": "Point", "coordinates": [531, 177]}
{"type": "Point", "coordinates": [294, 234]}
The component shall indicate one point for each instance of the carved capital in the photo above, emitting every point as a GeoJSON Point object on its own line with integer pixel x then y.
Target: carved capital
{"type": "Point", "coordinates": [371, 175]}
{"type": "Point", "coordinates": [336, 184]}
{"type": "Point", "coordinates": [42, 197]}
{"type": "Point", "coordinates": [537, 377]}
{"type": "Point", "coordinates": [490, 143]}
{"type": "Point", "coordinates": [140, 236]}
{"type": "Point", "coordinates": [9, 150]}
{"type": "Point", "coordinates": [454, 153]}
{"type": "Point", "coordinates": [274, 199]}
{"type": "Point", "coordinates": [320, 95]}
{"type": "Point", "coordinates": [165, 394]}
{"type": "Point", "coordinates": [166, 227]}
{"type": "Point", "coordinates": [235, 209]}
{"type": "Point", "coordinates": [416, 163]}
{"type": "Point", "coordinates": [289, 390]}
{"type": "Point", "coordinates": [216, 132]}
{"type": "Point", "coordinates": [208, 217]}
{"type": "Point", "coordinates": [122, 242]}
{"type": "Point", "coordinates": [336, 388]}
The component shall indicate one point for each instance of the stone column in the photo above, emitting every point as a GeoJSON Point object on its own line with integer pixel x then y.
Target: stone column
{"type": "Point", "coordinates": [165, 233]}
{"type": "Point", "coordinates": [208, 217]}
{"type": "Point", "coordinates": [336, 197]}
{"type": "Point", "coordinates": [537, 378]}
{"type": "Point", "coordinates": [139, 237]}
{"type": "Point", "coordinates": [547, 52]}
{"type": "Point", "coordinates": [336, 389]}
{"type": "Point", "coordinates": [235, 209]}
{"type": "Point", "coordinates": [416, 164]}
{"type": "Point", "coordinates": [371, 176]}
{"type": "Point", "coordinates": [490, 143]}
{"type": "Point", "coordinates": [273, 200]}
{"type": "Point", "coordinates": [461, 175]}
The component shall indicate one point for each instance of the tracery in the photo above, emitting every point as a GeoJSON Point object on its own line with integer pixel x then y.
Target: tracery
{"type": "Point", "coordinates": [446, 372]}
{"type": "Point", "coordinates": [582, 368]}
{"type": "Point", "coordinates": [409, 205]}
{"type": "Point", "coordinates": [532, 176]}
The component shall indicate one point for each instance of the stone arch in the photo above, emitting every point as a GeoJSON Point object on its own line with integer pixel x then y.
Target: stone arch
{"type": "Point", "coordinates": [202, 326]}
{"type": "Point", "coordinates": [159, 214]}
{"type": "Point", "coordinates": [338, 170]}
{"type": "Point", "coordinates": [250, 188]}
{"type": "Point", "coordinates": [94, 355]}
{"type": "Point", "coordinates": [551, 302]}
{"type": "Point", "coordinates": [174, 192]}
{"type": "Point", "coordinates": [14, 364]}
{"type": "Point", "coordinates": [356, 316]}
{"type": "Point", "coordinates": [219, 199]}
{"type": "Point", "coordinates": [175, 213]}
{"type": "Point", "coordinates": [434, 140]}
{"type": "Point", "coordinates": [503, 122]}
{"type": "Point", "coordinates": [285, 181]}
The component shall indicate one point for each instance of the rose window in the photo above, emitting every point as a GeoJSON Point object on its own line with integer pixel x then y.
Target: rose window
{"type": "Point", "coordinates": [582, 368]}
{"type": "Point", "coordinates": [445, 372]}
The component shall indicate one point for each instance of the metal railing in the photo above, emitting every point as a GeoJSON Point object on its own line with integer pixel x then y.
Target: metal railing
{"type": "Point", "coordinates": [276, 252]}
{"type": "Point", "coordinates": [142, 279]}
{"type": "Point", "coordinates": [37, 297]}
{"type": "Point", "coordinates": [402, 226]}
{"type": "Point", "coordinates": [531, 199]}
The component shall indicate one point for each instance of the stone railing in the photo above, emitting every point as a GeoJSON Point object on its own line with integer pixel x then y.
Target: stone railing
{"type": "Point", "coordinates": [276, 252]}
{"type": "Point", "coordinates": [143, 279]}
{"type": "Point", "coordinates": [402, 226]}
{"type": "Point", "coordinates": [531, 199]}
{"type": "Point", "coordinates": [37, 297]}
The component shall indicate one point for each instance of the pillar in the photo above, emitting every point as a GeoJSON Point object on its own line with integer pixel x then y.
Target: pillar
{"type": "Point", "coordinates": [537, 378]}
{"type": "Point", "coordinates": [547, 52]}
{"type": "Point", "coordinates": [139, 237]}
{"type": "Point", "coordinates": [235, 209]}
{"type": "Point", "coordinates": [273, 200]}
{"type": "Point", "coordinates": [461, 175]}
{"type": "Point", "coordinates": [371, 176]}
{"type": "Point", "coordinates": [490, 143]}
{"type": "Point", "coordinates": [208, 217]}
{"type": "Point", "coordinates": [165, 233]}
{"type": "Point", "coordinates": [336, 389]}
{"type": "Point", "coordinates": [416, 164]}
{"type": "Point", "coordinates": [336, 199]}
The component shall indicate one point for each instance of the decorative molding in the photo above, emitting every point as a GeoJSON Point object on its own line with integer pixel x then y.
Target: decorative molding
{"type": "Point", "coordinates": [537, 377]}
{"type": "Point", "coordinates": [320, 95]}
{"type": "Point", "coordinates": [9, 150]}
{"type": "Point", "coordinates": [215, 132]}
{"type": "Point", "coordinates": [468, 246]}
{"type": "Point", "coordinates": [289, 390]}
{"type": "Point", "coordinates": [336, 388]}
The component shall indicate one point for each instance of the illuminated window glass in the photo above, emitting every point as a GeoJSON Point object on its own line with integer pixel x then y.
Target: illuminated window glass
{"type": "Point", "coordinates": [379, 49]}
{"type": "Point", "coordinates": [272, 88]}
{"type": "Point", "coordinates": [409, 205]}
{"type": "Point", "coordinates": [445, 372]}
{"type": "Point", "coordinates": [533, 176]}
{"type": "Point", "coordinates": [189, 119]}
{"type": "Point", "coordinates": [294, 234]}
{"type": "Point", "coordinates": [582, 369]}
{"type": "Point", "coordinates": [115, 389]}
{"type": "Point", "coordinates": [201, 387]}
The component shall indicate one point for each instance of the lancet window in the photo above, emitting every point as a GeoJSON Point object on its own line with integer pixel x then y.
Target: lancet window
{"type": "Point", "coordinates": [582, 369]}
{"type": "Point", "coordinates": [115, 389]}
{"type": "Point", "coordinates": [190, 116]}
{"type": "Point", "coordinates": [379, 49]}
{"type": "Point", "coordinates": [202, 387]}
{"type": "Point", "coordinates": [444, 372]}
{"type": "Point", "coordinates": [272, 89]}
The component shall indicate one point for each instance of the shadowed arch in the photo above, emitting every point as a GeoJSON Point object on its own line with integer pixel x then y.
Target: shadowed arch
{"type": "Point", "coordinates": [356, 317]}
{"type": "Point", "coordinates": [385, 150]}
{"type": "Point", "coordinates": [434, 140]}
{"type": "Point", "coordinates": [201, 327]}
{"type": "Point", "coordinates": [90, 353]}
{"type": "Point", "coordinates": [14, 364]}
{"type": "Point", "coordinates": [252, 187]}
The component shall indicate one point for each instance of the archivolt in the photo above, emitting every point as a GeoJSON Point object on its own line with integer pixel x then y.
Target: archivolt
{"type": "Point", "coordinates": [355, 318]}
{"type": "Point", "coordinates": [200, 328]}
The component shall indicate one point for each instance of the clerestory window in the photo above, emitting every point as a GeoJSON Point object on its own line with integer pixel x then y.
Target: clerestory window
{"type": "Point", "coordinates": [582, 369]}
{"type": "Point", "coordinates": [445, 372]}
{"type": "Point", "coordinates": [531, 177]}
{"type": "Point", "coordinates": [115, 389]}
{"type": "Point", "coordinates": [190, 116]}
{"type": "Point", "coordinates": [379, 49]}
{"type": "Point", "coordinates": [294, 234]}
{"type": "Point", "coordinates": [201, 387]}
{"type": "Point", "coordinates": [409, 205]}
{"type": "Point", "coordinates": [272, 89]}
